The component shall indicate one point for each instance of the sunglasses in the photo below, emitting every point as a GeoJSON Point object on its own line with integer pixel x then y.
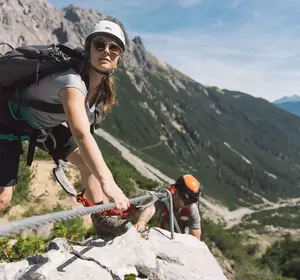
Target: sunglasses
{"type": "Point", "coordinates": [100, 46]}
{"type": "Point", "coordinates": [189, 199]}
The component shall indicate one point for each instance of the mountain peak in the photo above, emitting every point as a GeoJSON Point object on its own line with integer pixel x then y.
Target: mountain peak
{"type": "Point", "coordinates": [138, 41]}
{"type": "Point", "coordinates": [285, 99]}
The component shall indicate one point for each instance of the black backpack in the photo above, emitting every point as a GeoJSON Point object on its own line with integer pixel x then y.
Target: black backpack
{"type": "Point", "coordinates": [27, 65]}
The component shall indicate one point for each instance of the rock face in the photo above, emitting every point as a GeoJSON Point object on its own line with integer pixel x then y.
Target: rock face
{"type": "Point", "coordinates": [148, 255]}
{"type": "Point", "coordinates": [38, 22]}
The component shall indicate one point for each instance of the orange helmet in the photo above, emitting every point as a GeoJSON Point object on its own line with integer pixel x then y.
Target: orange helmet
{"type": "Point", "coordinates": [188, 187]}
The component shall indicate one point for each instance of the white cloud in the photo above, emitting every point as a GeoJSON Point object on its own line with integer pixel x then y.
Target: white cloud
{"type": "Point", "coordinates": [264, 66]}
{"type": "Point", "coordinates": [254, 48]}
{"type": "Point", "coordinates": [257, 53]}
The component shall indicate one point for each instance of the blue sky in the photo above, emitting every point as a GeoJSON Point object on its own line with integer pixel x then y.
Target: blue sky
{"type": "Point", "coordinates": [247, 45]}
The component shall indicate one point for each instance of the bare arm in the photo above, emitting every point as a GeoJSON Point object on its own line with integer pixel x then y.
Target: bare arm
{"type": "Point", "coordinates": [196, 233]}
{"type": "Point", "coordinates": [74, 106]}
{"type": "Point", "coordinates": [145, 216]}
{"type": "Point", "coordinates": [147, 213]}
{"type": "Point", "coordinates": [195, 221]}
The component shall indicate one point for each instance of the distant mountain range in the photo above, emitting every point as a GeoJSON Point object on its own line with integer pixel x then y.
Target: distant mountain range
{"type": "Point", "coordinates": [290, 104]}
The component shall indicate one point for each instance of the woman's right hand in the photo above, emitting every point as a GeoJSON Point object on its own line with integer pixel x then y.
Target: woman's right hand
{"type": "Point", "coordinates": [121, 201]}
{"type": "Point", "coordinates": [116, 194]}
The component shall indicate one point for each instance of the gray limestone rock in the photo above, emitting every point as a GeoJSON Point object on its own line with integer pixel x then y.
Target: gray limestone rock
{"type": "Point", "coordinates": [156, 257]}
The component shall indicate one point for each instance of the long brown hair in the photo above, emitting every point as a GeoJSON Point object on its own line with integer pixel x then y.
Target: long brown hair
{"type": "Point", "coordinates": [109, 95]}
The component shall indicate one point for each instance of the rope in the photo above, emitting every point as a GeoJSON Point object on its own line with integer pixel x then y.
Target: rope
{"type": "Point", "coordinates": [131, 211]}
{"type": "Point", "coordinates": [37, 221]}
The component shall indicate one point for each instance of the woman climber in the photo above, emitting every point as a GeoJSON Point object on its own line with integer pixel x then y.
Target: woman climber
{"type": "Point", "coordinates": [79, 95]}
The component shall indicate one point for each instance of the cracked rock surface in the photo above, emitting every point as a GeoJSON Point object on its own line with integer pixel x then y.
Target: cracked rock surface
{"type": "Point", "coordinates": [153, 255]}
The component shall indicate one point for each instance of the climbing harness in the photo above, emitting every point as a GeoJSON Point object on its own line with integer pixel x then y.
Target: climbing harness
{"type": "Point", "coordinates": [131, 211]}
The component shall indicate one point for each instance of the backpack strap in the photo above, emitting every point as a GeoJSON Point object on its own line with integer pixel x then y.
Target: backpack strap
{"type": "Point", "coordinates": [39, 105]}
{"type": "Point", "coordinates": [12, 137]}
{"type": "Point", "coordinates": [32, 143]}
{"type": "Point", "coordinates": [31, 148]}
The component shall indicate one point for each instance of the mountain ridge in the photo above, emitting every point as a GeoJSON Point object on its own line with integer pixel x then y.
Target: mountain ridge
{"type": "Point", "coordinates": [285, 99]}
{"type": "Point", "coordinates": [290, 104]}
{"type": "Point", "coordinates": [244, 150]}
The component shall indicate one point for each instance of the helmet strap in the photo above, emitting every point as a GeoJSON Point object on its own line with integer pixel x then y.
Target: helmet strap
{"type": "Point", "coordinates": [102, 72]}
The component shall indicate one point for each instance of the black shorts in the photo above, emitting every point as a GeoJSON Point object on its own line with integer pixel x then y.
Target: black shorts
{"type": "Point", "coordinates": [10, 151]}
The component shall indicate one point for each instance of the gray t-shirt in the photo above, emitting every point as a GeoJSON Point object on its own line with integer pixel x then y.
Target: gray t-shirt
{"type": "Point", "coordinates": [193, 219]}
{"type": "Point", "coordinates": [49, 90]}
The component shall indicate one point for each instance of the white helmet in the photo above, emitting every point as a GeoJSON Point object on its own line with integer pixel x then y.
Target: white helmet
{"type": "Point", "coordinates": [109, 28]}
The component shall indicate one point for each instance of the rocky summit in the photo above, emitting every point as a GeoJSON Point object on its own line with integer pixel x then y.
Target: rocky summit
{"type": "Point", "coordinates": [151, 254]}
